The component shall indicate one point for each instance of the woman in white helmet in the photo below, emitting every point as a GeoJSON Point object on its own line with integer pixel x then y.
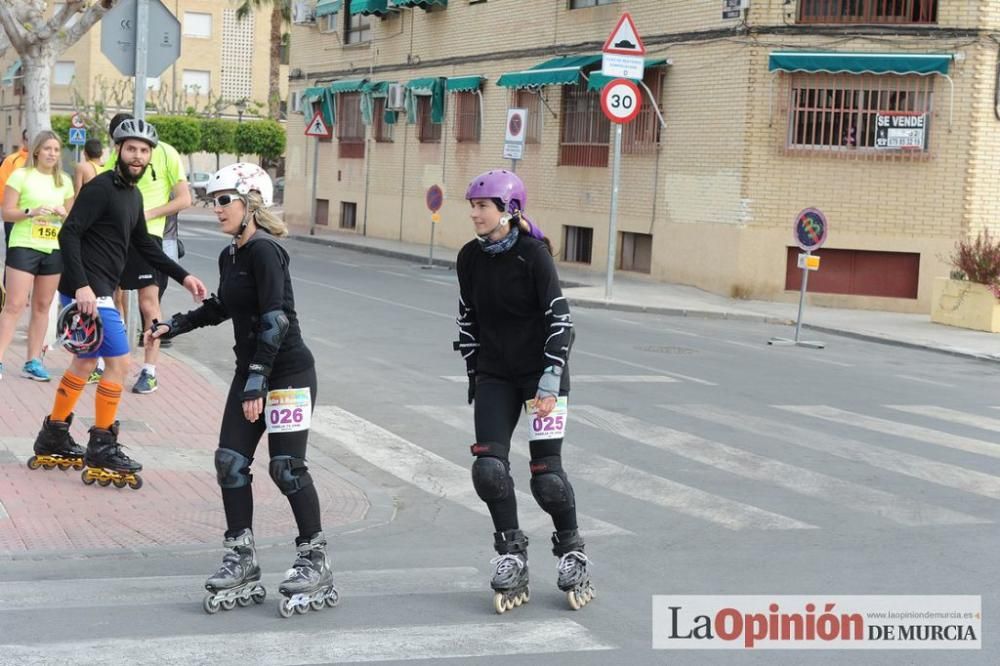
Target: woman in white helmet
{"type": "Point", "coordinates": [255, 291]}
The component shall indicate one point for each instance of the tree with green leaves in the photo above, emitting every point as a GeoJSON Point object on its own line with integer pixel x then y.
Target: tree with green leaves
{"type": "Point", "coordinates": [265, 138]}
{"type": "Point", "coordinates": [40, 37]}
{"type": "Point", "coordinates": [218, 136]}
{"type": "Point", "coordinates": [281, 11]}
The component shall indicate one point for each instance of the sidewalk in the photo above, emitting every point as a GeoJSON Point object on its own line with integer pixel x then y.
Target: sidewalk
{"type": "Point", "coordinates": [585, 288]}
{"type": "Point", "coordinates": [173, 433]}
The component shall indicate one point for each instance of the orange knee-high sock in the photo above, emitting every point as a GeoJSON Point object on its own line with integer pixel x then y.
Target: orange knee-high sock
{"type": "Point", "coordinates": [70, 388]}
{"type": "Point", "coordinates": [109, 395]}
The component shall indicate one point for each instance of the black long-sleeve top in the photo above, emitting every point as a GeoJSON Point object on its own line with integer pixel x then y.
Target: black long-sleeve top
{"type": "Point", "coordinates": [253, 281]}
{"type": "Point", "coordinates": [513, 319]}
{"type": "Point", "coordinates": [107, 218]}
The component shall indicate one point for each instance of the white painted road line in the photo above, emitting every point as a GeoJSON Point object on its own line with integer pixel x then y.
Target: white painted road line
{"type": "Point", "coordinates": [924, 380]}
{"type": "Point", "coordinates": [640, 485]}
{"type": "Point", "coordinates": [593, 379]}
{"type": "Point", "coordinates": [898, 429]}
{"type": "Point", "coordinates": [951, 415]}
{"type": "Point", "coordinates": [426, 470]}
{"type": "Point", "coordinates": [774, 472]}
{"type": "Point", "coordinates": [892, 460]}
{"type": "Point", "coordinates": [315, 646]}
{"type": "Point", "coordinates": [648, 368]}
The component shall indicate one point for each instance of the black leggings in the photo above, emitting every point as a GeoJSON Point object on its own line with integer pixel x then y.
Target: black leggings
{"type": "Point", "coordinates": [242, 436]}
{"type": "Point", "coordinates": [498, 406]}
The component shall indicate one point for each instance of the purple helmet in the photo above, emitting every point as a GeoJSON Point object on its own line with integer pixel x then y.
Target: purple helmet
{"type": "Point", "coordinates": [499, 184]}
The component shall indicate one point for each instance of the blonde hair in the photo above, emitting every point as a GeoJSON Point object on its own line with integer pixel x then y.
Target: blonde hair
{"type": "Point", "coordinates": [264, 218]}
{"type": "Point", "coordinates": [40, 139]}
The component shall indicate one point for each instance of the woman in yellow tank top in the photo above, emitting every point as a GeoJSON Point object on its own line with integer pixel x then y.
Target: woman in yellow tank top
{"type": "Point", "coordinates": [37, 198]}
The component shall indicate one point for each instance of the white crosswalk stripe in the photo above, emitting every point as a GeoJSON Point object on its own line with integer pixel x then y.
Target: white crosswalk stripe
{"type": "Point", "coordinates": [340, 645]}
{"type": "Point", "coordinates": [642, 485]}
{"type": "Point", "coordinates": [897, 428]}
{"type": "Point", "coordinates": [951, 415]}
{"type": "Point", "coordinates": [899, 462]}
{"type": "Point", "coordinates": [424, 469]}
{"type": "Point", "coordinates": [790, 477]}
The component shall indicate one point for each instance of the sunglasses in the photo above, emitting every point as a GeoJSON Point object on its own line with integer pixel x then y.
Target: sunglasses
{"type": "Point", "coordinates": [224, 200]}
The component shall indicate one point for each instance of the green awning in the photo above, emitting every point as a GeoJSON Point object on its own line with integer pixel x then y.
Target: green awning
{"type": "Point", "coordinates": [423, 4]}
{"type": "Point", "coordinates": [555, 72]}
{"type": "Point", "coordinates": [313, 94]}
{"type": "Point", "coordinates": [860, 63]}
{"type": "Point", "coordinates": [324, 7]}
{"type": "Point", "coordinates": [464, 83]}
{"type": "Point", "coordinates": [424, 85]}
{"type": "Point", "coordinates": [366, 7]}
{"type": "Point", "coordinates": [378, 88]}
{"type": "Point", "coordinates": [321, 99]}
{"type": "Point", "coordinates": [598, 81]}
{"type": "Point", "coordinates": [348, 85]}
{"type": "Point", "coordinates": [11, 73]}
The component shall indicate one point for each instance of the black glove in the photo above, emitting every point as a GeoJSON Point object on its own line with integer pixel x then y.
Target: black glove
{"type": "Point", "coordinates": [177, 324]}
{"type": "Point", "coordinates": [256, 386]}
{"type": "Point", "coordinates": [472, 386]}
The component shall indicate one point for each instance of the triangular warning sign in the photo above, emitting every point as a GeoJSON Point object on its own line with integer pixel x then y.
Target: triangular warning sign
{"type": "Point", "coordinates": [317, 127]}
{"type": "Point", "coordinates": [625, 38]}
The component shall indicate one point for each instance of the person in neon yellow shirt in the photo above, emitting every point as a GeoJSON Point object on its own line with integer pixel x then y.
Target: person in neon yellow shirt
{"type": "Point", "coordinates": [165, 178]}
{"type": "Point", "coordinates": [36, 199]}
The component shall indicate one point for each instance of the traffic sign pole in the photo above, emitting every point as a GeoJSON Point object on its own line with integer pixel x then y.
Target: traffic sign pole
{"type": "Point", "coordinates": [312, 200]}
{"type": "Point", "coordinates": [810, 231]}
{"type": "Point", "coordinates": [141, 49]}
{"type": "Point", "coordinates": [613, 218]}
{"type": "Point", "coordinates": [434, 200]}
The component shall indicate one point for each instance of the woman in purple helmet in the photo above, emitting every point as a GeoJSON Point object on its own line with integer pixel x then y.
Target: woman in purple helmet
{"type": "Point", "coordinates": [515, 334]}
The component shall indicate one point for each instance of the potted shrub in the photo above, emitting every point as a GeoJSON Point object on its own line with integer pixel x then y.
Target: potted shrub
{"type": "Point", "coordinates": [970, 297]}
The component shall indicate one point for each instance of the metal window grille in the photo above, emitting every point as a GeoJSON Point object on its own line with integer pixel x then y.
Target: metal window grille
{"type": "Point", "coordinates": [350, 129]}
{"type": "Point", "coordinates": [642, 135]}
{"type": "Point", "coordinates": [868, 11]}
{"type": "Point", "coordinates": [348, 215]}
{"type": "Point", "coordinates": [381, 130]}
{"type": "Point", "coordinates": [580, 4]}
{"type": "Point", "coordinates": [530, 101]}
{"type": "Point", "coordinates": [467, 125]}
{"type": "Point", "coordinates": [577, 244]}
{"type": "Point", "coordinates": [847, 116]}
{"type": "Point", "coordinates": [636, 252]}
{"type": "Point", "coordinates": [585, 130]}
{"type": "Point", "coordinates": [427, 131]}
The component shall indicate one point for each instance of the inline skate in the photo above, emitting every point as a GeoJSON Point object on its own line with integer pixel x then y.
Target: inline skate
{"type": "Point", "coordinates": [106, 464]}
{"type": "Point", "coordinates": [510, 570]}
{"type": "Point", "coordinates": [238, 579]}
{"type": "Point", "coordinates": [54, 447]}
{"type": "Point", "coordinates": [573, 567]}
{"type": "Point", "coordinates": [309, 583]}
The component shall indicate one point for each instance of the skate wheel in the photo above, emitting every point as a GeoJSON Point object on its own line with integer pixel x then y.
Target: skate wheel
{"type": "Point", "coordinates": [135, 484]}
{"type": "Point", "coordinates": [78, 464]}
{"type": "Point", "coordinates": [87, 478]}
{"type": "Point", "coordinates": [333, 599]}
{"type": "Point", "coordinates": [65, 465]}
{"type": "Point", "coordinates": [302, 610]}
{"type": "Point", "coordinates": [103, 482]}
{"type": "Point", "coordinates": [259, 595]}
{"type": "Point", "coordinates": [229, 604]}
{"type": "Point", "coordinates": [574, 601]}
{"type": "Point", "coordinates": [318, 604]}
{"type": "Point", "coordinates": [210, 605]}
{"type": "Point", "coordinates": [33, 463]}
{"type": "Point", "coordinates": [244, 601]}
{"type": "Point", "coordinates": [499, 604]}
{"type": "Point", "coordinates": [120, 483]}
{"type": "Point", "coordinates": [527, 595]}
{"type": "Point", "coordinates": [48, 465]}
{"type": "Point", "coordinates": [285, 608]}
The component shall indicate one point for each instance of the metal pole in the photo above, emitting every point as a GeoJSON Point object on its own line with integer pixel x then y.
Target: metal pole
{"type": "Point", "coordinates": [513, 166]}
{"type": "Point", "coordinates": [312, 201]}
{"type": "Point", "coordinates": [802, 296]}
{"type": "Point", "coordinates": [134, 317]}
{"type": "Point", "coordinates": [430, 257]}
{"type": "Point", "coordinates": [613, 218]}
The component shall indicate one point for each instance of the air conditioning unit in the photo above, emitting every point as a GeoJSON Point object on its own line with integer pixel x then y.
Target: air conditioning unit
{"type": "Point", "coordinates": [395, 98]}
{"type": "Point", "coordinates": [304, 12]}
{"type": "Point", "coordinates": [295, 103]}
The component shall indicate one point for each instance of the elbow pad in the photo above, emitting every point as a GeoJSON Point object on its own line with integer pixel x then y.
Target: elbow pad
{"type": "Point", "coordinates": [273, 327]}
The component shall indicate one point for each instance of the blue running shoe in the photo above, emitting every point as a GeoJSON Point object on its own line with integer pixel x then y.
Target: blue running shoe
{"type": "Point", "coordinates": [34, 369]}
{"type": "Point", "coordinates": [145, 384]}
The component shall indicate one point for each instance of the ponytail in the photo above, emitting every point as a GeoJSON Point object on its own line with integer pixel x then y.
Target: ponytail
{"type": "Point", "coordinates": [528, 228]}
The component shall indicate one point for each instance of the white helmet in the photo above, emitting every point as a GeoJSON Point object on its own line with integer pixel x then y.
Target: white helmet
{"type": "Point", "coordinates": [244, 178]}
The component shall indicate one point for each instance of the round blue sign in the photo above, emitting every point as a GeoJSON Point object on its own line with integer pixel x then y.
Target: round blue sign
{"type": "Point", "coordinates": [434, 198]}
{"type": "Point", "coordinates": [811, 229]}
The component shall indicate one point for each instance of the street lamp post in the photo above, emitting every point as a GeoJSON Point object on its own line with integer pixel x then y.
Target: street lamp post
{"type": "Point", "coordinates": [241, 106]}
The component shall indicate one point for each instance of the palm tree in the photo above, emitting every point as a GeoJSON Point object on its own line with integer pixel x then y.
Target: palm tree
{"type": "Point", "coordinates": [280, 15]}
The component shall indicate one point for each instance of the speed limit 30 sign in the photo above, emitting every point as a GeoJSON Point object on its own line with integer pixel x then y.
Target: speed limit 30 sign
{"type": "Point", "coordinates": [620, 101]}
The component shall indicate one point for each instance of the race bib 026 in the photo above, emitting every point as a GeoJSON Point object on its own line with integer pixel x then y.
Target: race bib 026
{"type": "Point", "coordinates": [288, 410]}
{"type": "Point", "coordinates": [552, 426]}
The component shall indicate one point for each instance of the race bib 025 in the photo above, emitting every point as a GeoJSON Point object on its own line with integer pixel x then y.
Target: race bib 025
{"type": "Point", "coordinates": [552, 426]}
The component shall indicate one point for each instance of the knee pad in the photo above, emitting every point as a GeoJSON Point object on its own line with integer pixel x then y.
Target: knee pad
{"type": "Point", "coordinates": [550, 486]}
{"type": "Point", "coordinates": [290, 474]}
{"type": "Point", "coordinates": [232, 468]}
{"type": "Point", "coordinates": [490, 474]}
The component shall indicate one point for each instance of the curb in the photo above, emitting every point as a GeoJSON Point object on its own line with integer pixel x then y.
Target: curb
{"type": "Point", "coordinates": [893, 342]}
{"type": "Point", "coordinates": [368, 249]}
{"type": "Point", "coordinates": [678, 312]}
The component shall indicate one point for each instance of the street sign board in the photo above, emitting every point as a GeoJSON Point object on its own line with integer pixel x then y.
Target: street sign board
{"type": "Point", "coordinates": [517, 123]}
{"type": "Point", "coordinates": [77, 136]}
{"type": "Point", "coordinates": [620, 101]}
{"type": "Point", "coordinates": [513, 151]}
{"type": "Point", "coordinates": [317, 127]}
{"type": "Point", "coordinates": [732, 9]}
{"type": "Point", "coordinates": [809, 261]}
{"type": "Point", "coordinates": [76, 120]}
{"type": "Point", "coordinates": [434, 198]}
{"type": "Point", "coordinates": [623, 66]}
{"type": "Point", "coordinates": [624, 39]}
{"type": "Point", "coordinates": [810, 229]}
{"type": "Point", "coordinates": [118, 36]}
